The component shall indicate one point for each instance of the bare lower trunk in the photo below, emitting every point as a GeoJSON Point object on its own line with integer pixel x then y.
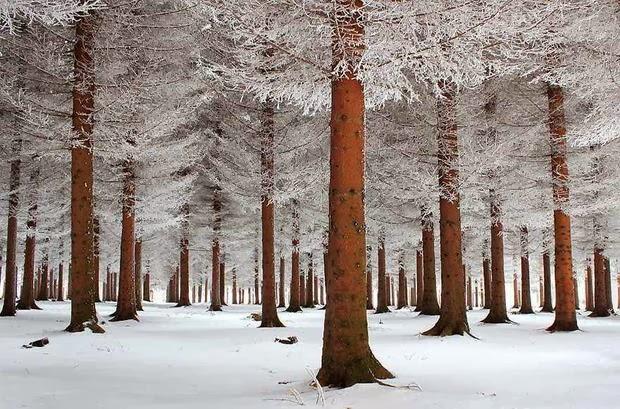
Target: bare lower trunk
{"type": "Point", "coordinates": [565, 316]}
{"type": "Point", "coordinates": [61, 282]}
{"type": "Point", "coordinates": [588, 287]}
{"type": "Point", "coordinates": [419, 281]}
{"type": "Point", "coordinates": [402, 283]}
{"type": "Point", "coordinates": [184, 259]}
{"type": "Point", "coordinates": [526, 300]}
{"type": "Point", "coordinates": [294, 300]}
{"type": "Point", "coordinates": [138, 274]}
{"type": "Point", "coordinates": [216, 304]}
{"type": "Point", "coordinates": [382, 280]}
{"type": "Point", "coordinates": [310, 284]}
{"type": "Point", "coordinates": [430, 304]}
{"type": "Point", "coordinates": [600, 287]}
{"type": "Point", "coordinates": [26, 299]}
{"type": "Point", "coordinates": [547, 297]}
{"type": "Point", "coordinates": [452, 320]}
{"type": "Point", "coordinates": [486, 275]}
{"type": "Point", "coordinates": [369, 304]}
{"type": "Point", "coordinates": [281, 298]}
{"type": "Point", "coordinates": [96, 261]}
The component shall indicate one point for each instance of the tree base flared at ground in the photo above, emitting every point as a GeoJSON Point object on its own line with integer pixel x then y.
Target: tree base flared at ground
{"type": "Point", "coordinates": [180, 304]}
{"type": "Point", "coordinates": [444, 328]}
{"type": "Point", "coordinates": [600, 313]}
{"type": "Point", "coordinates": [367, 370]}
{"type": "Point", "coordinates": [293, 309]}
{"type": "Point", "coordinates": [563, 327]}
{"type": "Point", "coordinates": [31, 306]}
{"type": "Point", "coordinates": [215, 308]}
{"type": "Point", "coordinates": [382, 310]}
{"type": "Point", "coordinates": [429, 311]}
{"type": "Point", "coordinates": [81, 326]}
{"type": "Point", "coordinates": [497, 318]}
{"type": "Point", "coordinates": [271, 323]}
{"type": "Point", "coordinates": [125, 317]}
{"type": "Point", "coordinates": [525, 311]}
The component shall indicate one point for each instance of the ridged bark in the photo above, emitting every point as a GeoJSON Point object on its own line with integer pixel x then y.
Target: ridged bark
{"type": "Point", "coordinates": [565, 316]}
{"type": "Point", "coordinates": [184, 277]}
{"type": "Point", "coordinates": [600, 288]}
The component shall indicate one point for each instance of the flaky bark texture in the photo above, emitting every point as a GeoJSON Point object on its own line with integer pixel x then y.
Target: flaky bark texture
{"type": "Point", "coordinates": [347, 358]}
{"type": "Point", "coordinates": [81, 270]}
{"type": "Point", "coordinates": [269, 310]}
{"type": "Point", "coordinates": [138, 274]}
{"type": "Point", "coordinates": [216, 304]}
{"type": "Point", "coordinates": [565, 316]}
{"type": "Point", "coordinates": [382, 280]}
{"type": "Point", "coordinates": [430, 304]}
{"type": "Point", "coordinates": [294, 296]}
{"type": "Point", "coordinates": [419, 281]}
{"type": "Point", "coordinates": [126, 302]}
{"type": "Point", "coordinates": [26, 298]}
{"type": "Point", "coordinates": [600, 288]}
{"type": "Point", "coordinates": [281, 284]}
{"type": "Point", "coordinates": [526, 298]}
{"type": "Point", "coordinates": [452, 320]}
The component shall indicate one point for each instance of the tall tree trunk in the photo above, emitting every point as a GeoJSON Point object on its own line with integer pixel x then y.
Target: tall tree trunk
{"type": "Point", "coordinates": [44, 283]}
{"type": "Point", "coordinates": [347, 358]}
{"type": "Point", "coordinates": [216, 304]}
{"type": "Point", "coordinates": [526, 298]}
{"type": "Point", "coordinates": [223, 280]}
{"type": "Point", "coordinates": [269, 310]}
{"type": "Point", "coordinates": [257, 279]}
{"type": "Point", "coordinates": [234, 287]}
{"type": "Point", "coordinates": [419, 280]}
{"type": "Point", "coordinates": [430, 305]}
{"type": "Point", "coordinates": [26, 298]}
{"type": "Point", "coordinates": [294, 296]}
{"type": "Point", "coordinates": [126, 303]}
{"type": "Point", "coordinates": [469, 295]}
{"type": "Point", "coordinates": [453, 319]}
{"type": "Point", "coordinates": [302, 288]}
{"type": "Point", "coordinates": [382, 279]}
{"type": "Point", "coordinates": [138, 273]}
{"type": "Point", "coordinates": [589, 292]}
{"type": "Point", "coordinates": [61, 280]}
{"type": "Point", "coordinates": [547, 297]}
{"type": "Point", "coordinates": [565, 316]}
{"type": "Point", "coordinates": [184, 259]}
{"type": "Point", "coordinates": [147, 286]}
{"type": "Point", "coordinates": [82, 272]}
{"type": "Point", "coordinates": [281, 295]}
{"type": "Point", "coordinates": [96, 261]}
{"type": "Point", "coordinates": [610, 304]}
{"type": "Point", "coordinates": [497, 313]}
{"type": "Point", "coordinates": [310, 284]}
{"type": "Point", "coordinates": [515, 289]}
{"type": "Point", "coordinates": [486, 276]}
{"type": "Point", "coordinates": [600, 287]}
{"type": "Point", "coordinates": [369, 304]}
{"type": "Point", "coordinates": [576, 285]}
{"type": "Point", "coordinates": [402, 282]}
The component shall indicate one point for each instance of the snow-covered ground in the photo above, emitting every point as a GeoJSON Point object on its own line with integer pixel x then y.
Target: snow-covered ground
{"type": "Point", "coordinates": [189, 358]}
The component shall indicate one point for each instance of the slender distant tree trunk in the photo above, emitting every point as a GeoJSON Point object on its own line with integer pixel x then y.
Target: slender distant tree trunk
{"type": "Point", "coordinates": [294, 296]}
{"type": "Point", "coordinates": [302, 288]}
{"type": "Point", "coordinates": [82, 272]}
{"type": "Point", "coordinates": [369, 303]}
{"type": "Point", "coordinates": [223, 280]}
{"type": "Point", "coordinates": [382, 287]}
{"type": "Point", "coordinates": [547, 298]}
{"type": "Point", "coordinates": [347, 358]}
{"type": "Point", "coordinates": [44, 283]}
{"type": "Point", "coordinates": [600, 288]}
{"type": "Point", "coordinates": [419, 273]}
{"type": "Point", "coordinates": [576, 286]}
{"type": "Point", "coordinates": [61, 279]}
{"type": "Point", "coordinates": [309, 298]}
{"type": "Point", "coordinates": [388, 286]}
{"type": "Point", "coordinates": [146, 291]}
{"type": "Point", "coordinates": [269, 310]}
{"type": "Point", "coordinates": [322, 292]}
{"type": "Point", "coordinates": [216, 304]}
{"type": "Point", "coordinates": [469, 295]}
{"type": "Point", "coordinates": [589, 293]}
{"type": "Point", "coordinates": [526, 300]}
{"type": "Point", "coordinates": [26, 299]}
{"type": "Point", "coordinates": [486, 276]}
{"type": "Point", "coordinates": [138, 273]}
{"type": "Point", "coordinates": [430, 304]}
{"type": "Point", "coordinates": [235, 299]}
{"type": "Point", "coordinates": [515, 288]}
{"type": "Point", "coordinates": [9, 307]}
{"type": "Point", "coordinates": [96, 261]}
{"type": "Point", "coordinates": [610, 304]}
{"type": "Point", "coordinates": [126, 303]}
{"type": "Point", "coordinates": [402, 282]}
{"type": "Point", "coordinates": [565, 316]}
{"type": "Point", "coordinates": [453, 319]}
{"type": "Point", "coordinates": [497, 313]}
{"type": "Point", "coordinates": [281, 301]}
{"type": "Point", "coordinates": [184, 259]}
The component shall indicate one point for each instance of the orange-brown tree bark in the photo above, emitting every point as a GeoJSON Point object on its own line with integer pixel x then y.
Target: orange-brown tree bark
{"type": "Point", "coordinates": [223, 279]}
{"type": "Point", "coordinates": [81, 269]}
{"type": "Point", "coordinates": [486, 276]}
{"type": "Point", "coordinates": [547, 293]}
{"type": "Point", "coordinates": [382, 280]}
{"type": "Point", "coordinates": [43, 294]}
{"type": "Point", "coordinates": [126, 300]}
{"type": "Point", "coordinates": [26, 298]}
{"type": "Point", "coordinates": [61, 280]}
{"type": "Point", "coordinates": [610, 304]}
{"type": "Point", "coordinates": [309, 284]}
{"type": "Point", "coordinates": [526, 297]}
{"type": "Point", "coordinates": [184, 259]}
{"type": "Point", "coordinates": [347, 358]}
{"type": "Point", "coordinates": [216, 304]}
{"type": "Point", "coordinates": [600, 289]}
{"type": "Point", "coordinates": [565, 316]}
{"type": "Point", "coordinates": [269, 310]}
{"type": "Point", "coordinates": [430, 304]}
{"type": "Point", "coordinates": [452, 319]}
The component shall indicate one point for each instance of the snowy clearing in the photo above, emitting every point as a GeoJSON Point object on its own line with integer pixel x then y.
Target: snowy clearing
{"type": "Point", "coordinates": [190, 358]}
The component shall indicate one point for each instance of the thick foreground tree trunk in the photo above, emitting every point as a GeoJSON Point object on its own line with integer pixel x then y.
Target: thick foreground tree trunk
{"type": "Point", "coordinates": [269, 310]}
{"type": "Point", "coordinates": [347, 358]}
{"type": "Point", "coordinates": [126, 303]}
{"type": "Point", "coordinates": [565, 316]}
{"type": "Point", "coordinates": [452, 320]}
{"type": "Point", "coordinates": [526, 300]}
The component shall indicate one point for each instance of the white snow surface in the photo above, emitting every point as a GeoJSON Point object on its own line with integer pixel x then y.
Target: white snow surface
{"type": "Point", "coordinates": [190, 358]}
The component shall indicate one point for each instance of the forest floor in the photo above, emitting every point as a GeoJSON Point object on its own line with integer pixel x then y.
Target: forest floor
{"type": "Point", "coordinates": [189, 358]}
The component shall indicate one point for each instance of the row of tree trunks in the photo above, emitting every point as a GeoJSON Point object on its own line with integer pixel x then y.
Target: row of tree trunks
{"type": "Point", "coordinates": [452, 319]}
{"type": "Point", "coordinates": [96, 256]}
